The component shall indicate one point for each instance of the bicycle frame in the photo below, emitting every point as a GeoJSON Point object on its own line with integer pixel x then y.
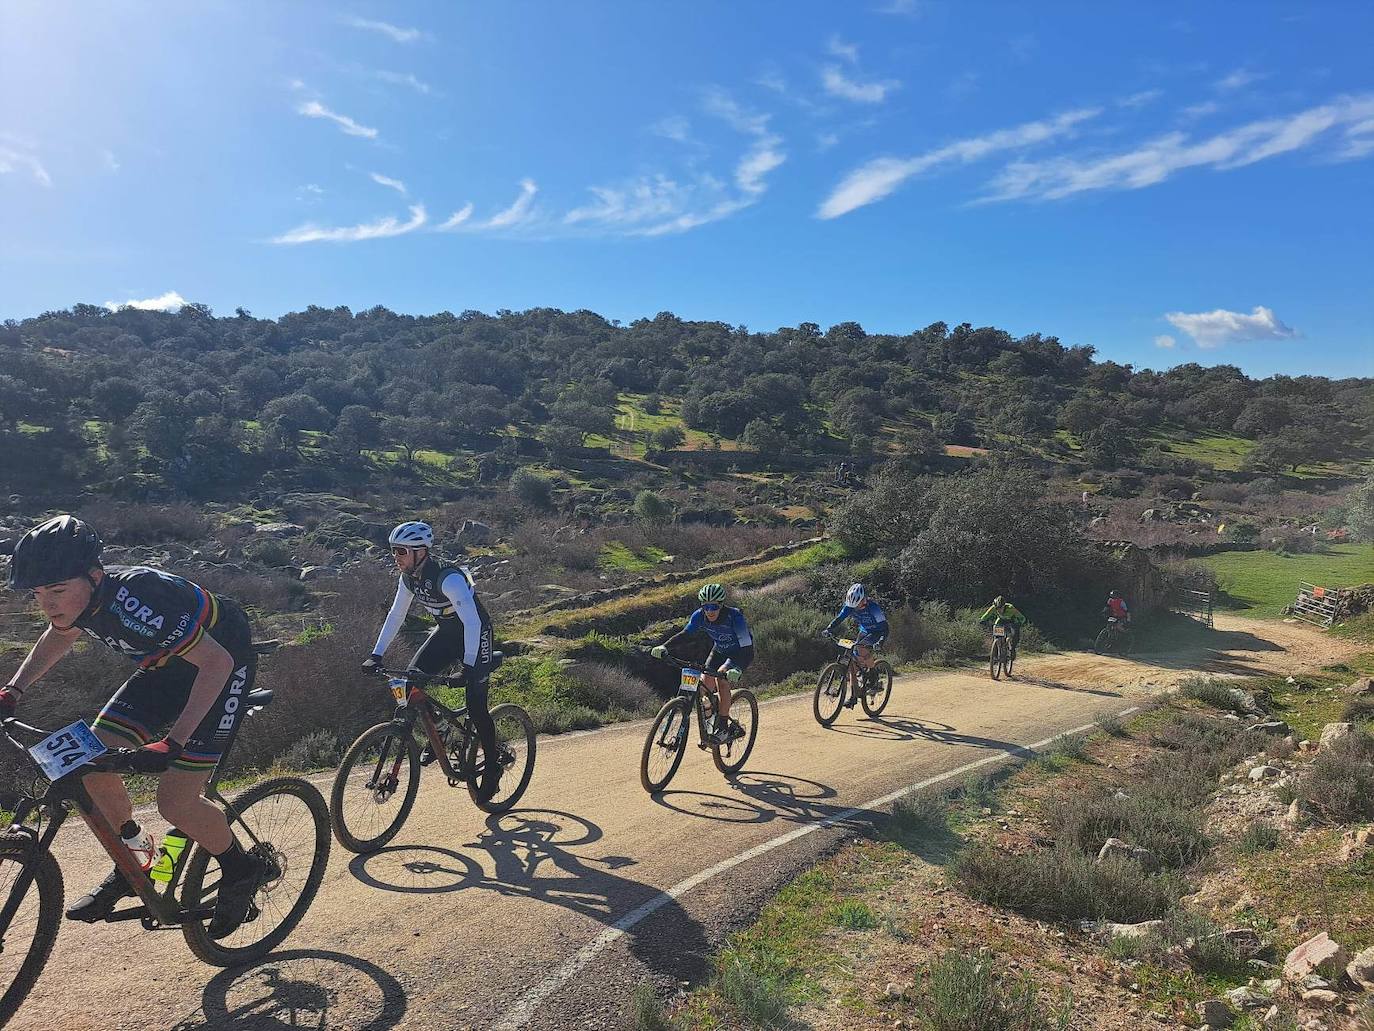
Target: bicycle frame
{"type": "Point", "coordinates": [421, 705]}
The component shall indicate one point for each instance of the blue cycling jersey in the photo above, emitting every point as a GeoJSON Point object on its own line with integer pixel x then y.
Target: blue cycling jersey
{"type": "Point", "coordinates": [871, 619]}
{"type": "Point", "coordinates": [729, 632]}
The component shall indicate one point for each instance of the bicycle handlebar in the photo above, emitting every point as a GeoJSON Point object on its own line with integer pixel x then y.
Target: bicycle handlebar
{"type": "Point", "coordinates": [418, 678]}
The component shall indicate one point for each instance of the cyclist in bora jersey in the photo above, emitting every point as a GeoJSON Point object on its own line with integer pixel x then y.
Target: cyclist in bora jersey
{"type": "Point", "coordinates": [873, 630]}
{"type": "Point", "coordinates": [732, 650]}
{"type": "Point", "coordinates": [1004, 613]}
{"type": "Point", "coordinates": [462, 631]}
{"type": "Point", "coordinates": [195, 665]}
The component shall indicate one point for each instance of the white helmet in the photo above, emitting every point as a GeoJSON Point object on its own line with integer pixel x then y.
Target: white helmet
{"type": "Point", "coordinates": [412, 535]}
{"type": "Point", "coordinates": [855, 595]}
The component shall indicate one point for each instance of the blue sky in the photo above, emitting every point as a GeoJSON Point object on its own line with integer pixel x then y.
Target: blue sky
{"type": "Point", "coordinates": [1168, 183]}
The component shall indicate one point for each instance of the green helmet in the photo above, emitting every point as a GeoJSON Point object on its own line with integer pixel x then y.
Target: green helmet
{"type": "Point", "coordinates": [714, 593]}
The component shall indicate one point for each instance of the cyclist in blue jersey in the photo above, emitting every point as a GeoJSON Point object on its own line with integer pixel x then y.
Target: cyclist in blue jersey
{"type": "Point", "coordinates": [873, 630]}
{"type": "Point", "coordinates": [732, 650]}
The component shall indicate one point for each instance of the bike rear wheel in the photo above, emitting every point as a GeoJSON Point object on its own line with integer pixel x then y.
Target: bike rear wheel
{"type": "Point", "coordinates": [290, 820]}
{"type": "Point", "coordinates": [665, 745]}
{"type": "Point", "coordinates": [877, 689]}
{"type": "Point", "coordinates": [730, 757]}
{"type": "Point", "coordinates": [1103, 644]}
{"type": "Point", "coordinates": [515, 739]}
{"type": "Point", "coordinates": [375, 788]}
{"type": "Point", "coordinates": [30, 935]}
{"type": "Point", "coordinates": [829, 697]}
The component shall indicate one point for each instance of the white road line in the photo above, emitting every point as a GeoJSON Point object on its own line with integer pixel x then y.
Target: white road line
{"type": "Point", "coordinates": [522, 1011]}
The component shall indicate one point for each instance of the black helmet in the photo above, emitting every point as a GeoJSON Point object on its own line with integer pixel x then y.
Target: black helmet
{"type": "Point", "coordinates": [59, 549]}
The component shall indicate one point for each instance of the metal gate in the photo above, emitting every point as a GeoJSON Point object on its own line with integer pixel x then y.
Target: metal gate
{"type": "Point", "coordinates": [1316, 605]}
{"type": "Point", "coordinates": [1197, 604]}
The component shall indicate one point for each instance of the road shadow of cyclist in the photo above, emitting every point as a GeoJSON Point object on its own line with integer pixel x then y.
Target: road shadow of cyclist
{"type": "Point", "coordinates": [301, 988]}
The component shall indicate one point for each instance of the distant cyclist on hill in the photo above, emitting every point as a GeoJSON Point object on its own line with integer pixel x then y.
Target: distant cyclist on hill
{"type": "Point", "coordinates": [462, 630]}
{"type": "Point", "coordinates": [732, 650]}
{"type": "Point", "coordinates": [873, 629]}
{"type": "Point", "coordinates": [1116, 608]}
{"type": "Point", "coordinates": [1003, 613]}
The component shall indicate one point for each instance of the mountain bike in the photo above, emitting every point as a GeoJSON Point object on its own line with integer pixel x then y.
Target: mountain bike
{"type": "Point", "coordinates": [283, 821]}
{"type": "Point", "coordinates": [1001, 657]}
{"type": "Point", "coordinates": [667, 740]}
{"type": "Point", "coordinates": [1114, 637]}
{"type": "Point", "coordinates": [379, 776]}
{"type": "Point", "coordinates": [872, 687]}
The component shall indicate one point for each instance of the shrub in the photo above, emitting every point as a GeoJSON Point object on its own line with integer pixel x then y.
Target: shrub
{"type": "Point", "coordinates": [266, 591]}
{"type": "Point", "coordinates": [1066, 748]}
{"type": "Point", "coordinates": [319, 750]}
{"type": "Point", "coordinates": [854, 915]}
{"type": "Point", "coordinates": [125, 523]}
{"type": "Point", "coordinates": [1173, 834]}
{"type": "Point", "coordinates": [754, 983]}
{"type": "Point", "coordinates": [666, 438]}
{"type": "Point", "coordinates": [532, 489]}
{"type": "Point", "coordinates": [652, 508]}
{"type": "Point", "coordinates": [918, 813]}
{"type": "Point", "coordinates": [1114, 727]}
{"type": "Point", "coordinates": [648, 1011]}
{"type": "Point", "coordinates": [1358, 710]}
{"type": "Point", "coordinates": [966, 993]}
{"type": "Point", "coordinates": [1339, 784]}
{"type": "Point", "coordinates": [270, 552]}
{"type": "Point", "coordinates": [786, 639]}
{"type": "Point", "coordinates": [604, 687]}
{"type": "Point", "coordinates": [1212, 692]}
{"type": "Point", "coordinates": [1259, 836]}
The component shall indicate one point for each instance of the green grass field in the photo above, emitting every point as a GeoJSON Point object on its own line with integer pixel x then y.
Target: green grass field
{"type": "Point", "coordinates": [1263, 582]}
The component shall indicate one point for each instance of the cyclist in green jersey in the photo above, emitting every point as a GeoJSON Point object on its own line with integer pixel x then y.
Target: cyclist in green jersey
{"type": "Point", "coordinates": [1003, 613]}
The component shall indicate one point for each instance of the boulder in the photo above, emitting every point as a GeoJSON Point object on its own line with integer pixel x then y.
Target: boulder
{"type": "Point", "coordinates": [309, 573]}
{"type": "Point", "coordinates": [1246, 701]}
{"type": "Point", "coordinates": [1318, 955]}
{"type": "Point", "coordinates": [1321, 997]}
{"type": "Point", "coordinates": [474, 532]}
{"type": "Point", "coordinates": [1363, 686]}
{"type": "Point", "coordinates": [1276, 727]}
{"type": "Point", "coordinates": [279, 530]}
{"type": "Point", "coordinates": [1299, 814]}
{"type": "Point", "coordinates": [1215, 1013]}
{"type": "Point", "coordinates": [1361, 969]}
{"type": "Point", "coordinates": [1335, 732]}
{"type": "Point", "coordinates": [1356, 844]}
{"type": "Point", "coordinates": [1260, 773]}
{"type": "Point", "coordinates": [1141, 930]}
{"type": "Point", "coordinates": [1248, 998]}
{"type": "Point", "coordinates": [1115, 847]}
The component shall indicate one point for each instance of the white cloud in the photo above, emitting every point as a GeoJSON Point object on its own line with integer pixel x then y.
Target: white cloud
{"type": "Point", "coordinates": [1359, 140]}
{"type": "Point", "coordinates": [1165, 340]}
{"type": "Point", "coordinates": [383, 227]}
{"type": "Point", "coordinates": [1139, 100]}
{"type": "Point", "coordinates": [876, 179]}
{"type": "Point", "coordinates": [740, 118]}
{"type": "Point", "coordinates": [772, 80]}
{"type": "Point", "coordinates": [1238, 79]}
{"type": "Point", "coordinates": [1156, 160]}
{"type": "Point", "coordinates": [838, 84]}
{"type": "Point", "coordinates": [1207, 107]}
{"type": "Point", "coordinates": [648, 199]}
{"type": "Point", "coordinates": [907, 8]}
{"type": "Point", "coordinates": [674, 127]}
{"type": "Point", "coordinates": [457, 219]}
{"type": "Point", "coordinates": [826, 140]}
{"type": "Point", "coordinates": [387, 181]}
{"type": "Point", "coordinates": [1215, 328]}
{"type": "Point", "coordinates": [13, 159]}
{"type": "Point", "coordinates": [403, 79]}
{"type": "Point", "coordinates": [397, 33]}
{"type": "Point", "coordinates": [848, 51]}
{"type": "Point", "coordinates": [518, 212]}
{"type": "Point", "coordinates": [111, 162]}
{"type": "Point", "coordinates": [169, 301]}
{"type": "Point", "coordinates": [314, 109]}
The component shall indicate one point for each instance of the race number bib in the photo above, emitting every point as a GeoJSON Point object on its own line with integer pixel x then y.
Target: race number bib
{"type": "Point", "coordinates": [690, 679]}
{"type": "Point", "coordinates": [66, 750]}
{"type": "Point", "coordinates": [400, 689]}
{"type": "Point", "coordinates": [845, 642]}
{"type": "Point", "coordinates": [999, 631]}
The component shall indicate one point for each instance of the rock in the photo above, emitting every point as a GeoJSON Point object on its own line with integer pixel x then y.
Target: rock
{"type": "Point", "coordinates": [1215, 1012]}
{"type": "Point", "coordinates": [1318, 955]}
{"type": "Point", "coordinates": [1363, 686]}
{"type": "Point", "coordinates": [1245, 940]}
{"type": "Point", "coordinates": [1321, 997]}
{"type": "Point", "coordinates": [1276, 727]}
{"type": "Point", "coordinates": [1306, 745]}
{"type": "Point", "coordinates": [1361, 969]}
{"type": "Point", "coordinates": [309, 573]}
{"type": "Point", "coordinates": [1116, 847]}
{"type": "Point", "coordinates": [1335, 732]}
{"type": "Point", "coordinates": [279, 530]}
{"type": "Point", "coordinates": [1246, 701]}
{"type": "Point", "coordinates": [896, 991]}
{"type": "Point", "coordinates": [1247, 998]}
{"type": "Point", "coordinates": [1260, 773]}
{"type": "Point", "coordinates": [1312, 983]}
{"type": "Point", "coordinates": [474, 532]}
{"type": "Point", "coordinates": [1355, 844]}
{"type": "Point", "coordinates": [1140, 930]}
{"type": "Point", "coordinates": [1299, 814]}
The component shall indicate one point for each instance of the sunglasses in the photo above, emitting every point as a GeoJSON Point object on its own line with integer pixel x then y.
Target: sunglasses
{"type": "Point", "coordinates": [710, 608]}
{"type": "Point", "coordinates": [400, 550]}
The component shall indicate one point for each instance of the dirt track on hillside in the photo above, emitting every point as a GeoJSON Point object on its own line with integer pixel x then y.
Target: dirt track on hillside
{"type": "Point", "coordinates": [532, 918]}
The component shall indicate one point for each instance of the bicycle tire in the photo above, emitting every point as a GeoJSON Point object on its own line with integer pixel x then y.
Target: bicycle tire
{"type": "Point", "coordinates": [875, 703]}
{"type": "Point", "coordinates": [1103, 644]}
{"type": "Point", "coordinates": [220, 954]}
{"type": "Point", "coordinates": [675, 751]}
{"type": "Point", "coordinates": [340, 798]}
{"type": "Point", "coordinates": [995, 658]}
{"type": "Point", "coordinates": [500, 803]}
{"type": "Point", "coordinates": [734, 764]}
{"type": "Point", "coordinates": [47, 878]}
{"type": "Point", "coordinates": [827, 690]}
{"type": "Point", "coordinates": [1010, 661]}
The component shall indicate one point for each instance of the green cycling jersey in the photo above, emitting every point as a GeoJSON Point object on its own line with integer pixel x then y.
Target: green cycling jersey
{"type": "Point", "coordinates": [1008, 613]}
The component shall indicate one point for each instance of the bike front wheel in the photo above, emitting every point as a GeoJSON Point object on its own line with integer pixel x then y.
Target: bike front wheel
{"type": "Point", "coordinates": [287, 828]}
{"type": "Point", "coordinates": [375, 787]}
{"type": "Point", "coordinates": [665, 746]}
{"type": "Point", "coordinates": [515, 742]}
{"type": "Point", "coordinates": [995, 659]}
{"type": "Point", "coordinates": [1103, 643]}
{"type": "Point", "coordinates": [730, 757]}
{"type": "Point", "coordinates": [29, 936]}
{"type": "Point", "coordinates": [877, 689]}
{"type": "Point", "coordinates": [829, 697]}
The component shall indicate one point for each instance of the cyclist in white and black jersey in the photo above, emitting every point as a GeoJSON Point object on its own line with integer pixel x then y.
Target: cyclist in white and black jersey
{"type": "Point", "coordinates": [462, 632]}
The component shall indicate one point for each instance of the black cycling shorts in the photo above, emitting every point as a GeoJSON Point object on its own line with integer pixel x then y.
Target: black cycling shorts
{"type": "Point", "coordinates": [445, 645]}
{"type": "Point", "coordinates": [740, 659]}
{"type": "Point", "coordinates": [152, 699]}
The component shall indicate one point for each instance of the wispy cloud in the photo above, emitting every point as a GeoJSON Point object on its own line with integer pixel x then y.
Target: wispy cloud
{"type": "Point", "coordinates": [22, 157]}
{"type": "Point", "coordinates": [1215, 328]}
{"type": "Point", "coordinates": [719, 103]}
{"type": "Point", "coordinates": [1207, 107]}
{"type": "Point", "coordinates": [387, 181]}
{"type": "Point", "coordinates": [383, 227]}
{"type": "Point", "coordinates": [111, 162]}
{"type": "Point", "coordinates": [1359, 140]}
{"type": "Point", "coordinates": [772, 79]}
{"type": "Point", "coordinates": [458, 219]}
{"type": "Point", "coordinates": [1139, 100]}
{"type": "Point", "coordinates": [674, 127]}
{"type": "Point", "coordinates": [518, 212]}
{"type": "Point", "coordinates": [847, 51]}
{"type": "Point", "coordinates": [397, 33]}
{"type": "Point", "coordinates": [1238, 79]}
{"type": "Point", "coordinates": [1165, 341]}
{"type": "Point", "coordinates": [169, 301]}
{"type": "Point", "coordinates": [402, 79]}
{"type": "Point", "coordinates": [875, 179]}
{"type": "Point", "coordinates": [904, 8]}
{"type": "Point", "coordinates": [838, 84]}
{"type": "Point", "coordinates": [1158, 159]}
{"type": "Point", "coordinates": [314, 109]}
